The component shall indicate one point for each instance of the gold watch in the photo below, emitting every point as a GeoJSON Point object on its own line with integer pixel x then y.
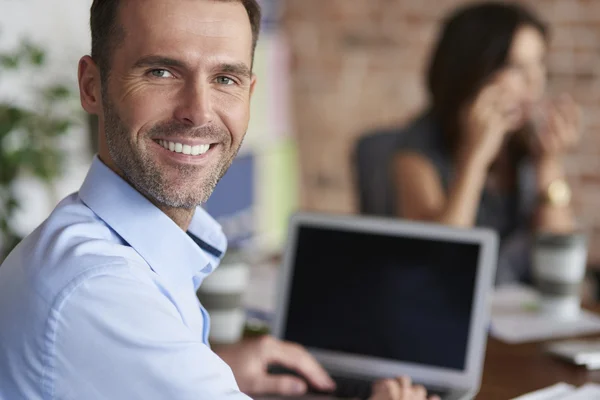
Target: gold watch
{"type": "Point", "coordinates": [557, 194]}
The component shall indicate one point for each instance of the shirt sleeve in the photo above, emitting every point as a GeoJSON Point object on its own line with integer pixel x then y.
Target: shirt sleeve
{"type": "Point", "coordinates": [117, 337]}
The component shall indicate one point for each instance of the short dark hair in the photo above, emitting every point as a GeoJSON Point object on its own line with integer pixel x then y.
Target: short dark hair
{"type": "Point", "coordinates": [107, 33]}
{"type": "Point", "coordinates": [474, 44]}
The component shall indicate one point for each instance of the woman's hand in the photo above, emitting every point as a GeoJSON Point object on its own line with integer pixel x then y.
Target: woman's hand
{"type": "Point", "coordinates": [399, 389]}
{"type": "Point", "coordinates": [486, 122]}
{"type": "Point", "coordinates": [558, 128]}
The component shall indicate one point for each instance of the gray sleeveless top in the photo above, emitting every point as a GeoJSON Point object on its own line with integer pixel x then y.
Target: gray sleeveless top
{"type": "Point", "coordinates": [509, 214]}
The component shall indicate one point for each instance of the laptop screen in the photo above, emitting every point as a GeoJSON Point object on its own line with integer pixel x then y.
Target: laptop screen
{"type": "Point", "coordinates": [401, 298]}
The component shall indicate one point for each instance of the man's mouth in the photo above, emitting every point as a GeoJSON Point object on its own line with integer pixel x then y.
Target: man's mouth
{"type": "Point", "coordinates": [186, 149]}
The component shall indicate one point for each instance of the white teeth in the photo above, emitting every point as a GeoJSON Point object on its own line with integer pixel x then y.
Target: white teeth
{"type": "Point", "coordinates": [185, 148]}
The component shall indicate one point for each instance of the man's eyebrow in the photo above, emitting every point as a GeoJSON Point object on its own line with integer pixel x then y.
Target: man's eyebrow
{"type": "Point", "coordinates": [157, 61]}
{"type": "Point", "coordinates": [240, 69]}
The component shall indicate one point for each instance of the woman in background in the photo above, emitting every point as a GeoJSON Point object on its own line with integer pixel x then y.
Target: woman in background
{"type": "Point", "coordinates": [489, 151]}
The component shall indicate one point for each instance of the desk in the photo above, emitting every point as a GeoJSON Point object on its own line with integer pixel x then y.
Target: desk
{"type": "Point", "coordinates": [511, 370]}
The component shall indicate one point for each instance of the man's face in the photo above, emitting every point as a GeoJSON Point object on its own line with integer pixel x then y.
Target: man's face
{"type": "Point", "coordinates": [176, 105]}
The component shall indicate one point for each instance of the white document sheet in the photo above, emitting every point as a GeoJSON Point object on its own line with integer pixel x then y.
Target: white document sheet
{"type": "Point", "coordinates": [554, 392]}
{"type": "Point", "coordinates": [589, 391]}
{"type": "Point", "coordinates": [516, 320]}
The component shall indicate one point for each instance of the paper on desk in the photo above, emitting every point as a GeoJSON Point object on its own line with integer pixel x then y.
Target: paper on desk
{"type": "Point", "coordinates": [514, 319]}
{"type": "Point", "coordinates": [589, 391]}
{"type": "Point", "coordinates": [555, 392]}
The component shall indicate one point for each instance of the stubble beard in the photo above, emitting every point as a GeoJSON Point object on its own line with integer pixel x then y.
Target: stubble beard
{"type": "Point", "coordinates": [194, 184]}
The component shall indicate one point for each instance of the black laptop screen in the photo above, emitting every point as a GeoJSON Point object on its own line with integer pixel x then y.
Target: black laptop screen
{"type": "Point", "coordinates": [397, 298]}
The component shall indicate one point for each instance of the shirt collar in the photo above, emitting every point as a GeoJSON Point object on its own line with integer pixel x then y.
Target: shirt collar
{"type": "Point", "coordinates": [168, 250]}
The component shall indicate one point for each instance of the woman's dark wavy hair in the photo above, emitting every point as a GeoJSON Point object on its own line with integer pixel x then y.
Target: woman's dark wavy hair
{"type": "Point", "coordinates": [473, 45]}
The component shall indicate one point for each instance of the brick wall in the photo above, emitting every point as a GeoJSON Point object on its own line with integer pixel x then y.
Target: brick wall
{"type": "Point", "coordinates": [357, 64]}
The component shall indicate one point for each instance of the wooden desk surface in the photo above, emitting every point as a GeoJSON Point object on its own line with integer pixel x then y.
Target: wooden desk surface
{"type": "Point", "coordinates": [512, 370]}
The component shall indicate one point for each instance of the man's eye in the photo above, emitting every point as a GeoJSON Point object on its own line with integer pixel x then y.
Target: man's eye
{"type": "Point", "coordinates": [224, 80]}
{"type": "Point", "coordinates": [161, 73]}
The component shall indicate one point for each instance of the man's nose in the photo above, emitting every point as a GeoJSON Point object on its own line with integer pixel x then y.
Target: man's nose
{"type": "Point", "coordinates": [195, 108]}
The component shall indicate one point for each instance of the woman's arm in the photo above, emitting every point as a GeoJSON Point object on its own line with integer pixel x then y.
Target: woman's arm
{"type": "Point", "coordinates": [559, 133]}
{"type": "Point", "coordinates": [421, 195]}
{"type": "Point", "coordinates": [419, 190]}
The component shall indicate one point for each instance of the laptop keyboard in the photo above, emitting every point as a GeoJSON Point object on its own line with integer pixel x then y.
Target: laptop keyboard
{"type": "Point", "coordinates": [347, 388]}
{"type": "Point", "coordinates": [356, 388]}
{"type": "Point", "coordinates": [352, 388]}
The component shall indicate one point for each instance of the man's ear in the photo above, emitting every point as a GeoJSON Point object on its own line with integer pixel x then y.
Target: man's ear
{"type": "Point", "coordinates": [90, 92]}
{"type": "Point", "coordinates": [252, 84]}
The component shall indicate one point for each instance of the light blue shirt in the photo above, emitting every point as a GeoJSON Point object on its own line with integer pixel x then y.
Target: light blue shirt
{"type": "Point", "coordinates": [99, 302]}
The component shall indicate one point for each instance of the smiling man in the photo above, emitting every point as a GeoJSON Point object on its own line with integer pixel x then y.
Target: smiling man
{"type": "Point", "coordinates": [99, 301]}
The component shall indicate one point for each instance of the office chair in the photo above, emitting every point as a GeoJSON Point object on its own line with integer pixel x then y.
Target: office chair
{"type": "Point", "coordinates": [372, 158]}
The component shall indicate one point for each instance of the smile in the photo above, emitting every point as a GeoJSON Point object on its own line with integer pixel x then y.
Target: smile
{"type": "Point", "coordinates": [184, 148]}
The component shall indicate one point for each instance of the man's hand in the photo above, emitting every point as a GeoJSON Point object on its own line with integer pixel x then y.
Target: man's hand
{"type": "Point", "coordinates": [250, 358]}
{"type": "Point", "coordinates": [399, 389]}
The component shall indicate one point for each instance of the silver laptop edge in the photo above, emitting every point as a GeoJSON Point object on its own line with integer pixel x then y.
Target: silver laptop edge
{"type": "Point", "coordinates": [468, 379]}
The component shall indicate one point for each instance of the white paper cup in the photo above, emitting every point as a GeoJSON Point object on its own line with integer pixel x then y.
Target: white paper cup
{"type": "Point", "coordinates": [221, 295]}
{"type": "Point", "coordinates": [559, 265]}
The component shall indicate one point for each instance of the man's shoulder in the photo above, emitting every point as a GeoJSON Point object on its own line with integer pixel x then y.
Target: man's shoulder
{"type": "Point", "coordinates": [72, 244]}
{"type": "Point", "coordinates": [72, 249]}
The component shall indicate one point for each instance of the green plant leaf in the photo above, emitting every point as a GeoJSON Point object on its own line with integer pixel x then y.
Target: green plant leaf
{"type": "Point", "coordinates": [45, 163]}
{"type": "Point", "coordinates": [9, 61]}
{"type": "Point", "coordinates": [14, 115]}
{"type": "Point", "coordinates": [57, 92]}
{"type": "Point", "coordinates": [8, 174]}
{"type": "Point", "coordinates": [5, 127]}
{"type": "Point", "coordinates": [35, 55]}
{"type": "Point", "coordinates": [60, 127]}
{"type": "Point", "coordinates": [12, 204]}
{"type": "Point", "coordinates": [36, 148]}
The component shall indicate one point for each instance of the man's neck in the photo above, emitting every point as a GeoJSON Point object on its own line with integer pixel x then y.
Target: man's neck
{"type": "Point", "coordinates": [181, 216]}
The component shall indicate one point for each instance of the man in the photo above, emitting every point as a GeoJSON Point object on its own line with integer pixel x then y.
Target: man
{"type": "Point", "coordinates": [99, 301]}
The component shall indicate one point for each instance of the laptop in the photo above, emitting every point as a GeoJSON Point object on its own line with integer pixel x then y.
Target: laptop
{"type": "Point", "coordinates": [376, 298]}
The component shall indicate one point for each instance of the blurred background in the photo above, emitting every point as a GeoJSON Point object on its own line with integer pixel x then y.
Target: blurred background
{"type": "Point", "coordinates": [329, 71]}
